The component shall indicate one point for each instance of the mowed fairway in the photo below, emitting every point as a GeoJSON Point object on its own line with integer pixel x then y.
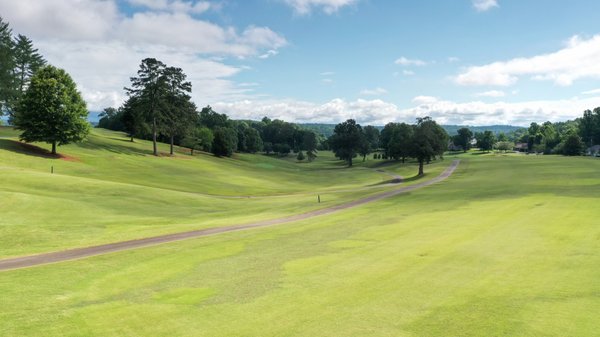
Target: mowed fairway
{"type": "Point", "coordinates": [111, 190]}
{"type": "Point", "coordinates": [507, 246]}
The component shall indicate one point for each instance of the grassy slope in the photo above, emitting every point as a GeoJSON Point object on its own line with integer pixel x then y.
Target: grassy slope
{"type": "Point", "coordinates": [508, 246]}
{"type": "Point", "coordinates": [113, 190]}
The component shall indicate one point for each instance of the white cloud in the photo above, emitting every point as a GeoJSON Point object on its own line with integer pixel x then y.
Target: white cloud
{"type": "Point", "coordinates": [379, 112]}
{"type": "Point", "coordinates": [102, 56]}
{"type": "Point", "coordinates": [195, 7]}
{"type": "Point", "coordinates": [304, 7]}
{"type": "Point", "coordinates": [268, 54]}
{"type": "Point", "coordinates": [410, 62]}
{"type": "Point", "coordinates": [374, 92]}
{"type": "Point", "coordinates": [577, 60]}
{"type": "Point", "coordinates": [327, 80]}
{"type": "Point", "coordinates": [419, 100]}
{"type": "Point", "coordinates": [453, 59]}
{"type": "Point", "coordinates": [203, 36]}
{"type": "Point", "coordinates": [61, 19]}
{"type": "Point", "coordinates": [327, 73]}
{"type": "Point", "coordinates": [591, 92]}
{"type": "Point", "coordinates": [408, 72]}
{"type": "Point", "coordinates": [484, 5]}
{"type": "Point", "coordinates": [491, 93]}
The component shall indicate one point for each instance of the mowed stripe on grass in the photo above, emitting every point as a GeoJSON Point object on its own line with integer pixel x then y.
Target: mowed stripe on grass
{"type": "Point", "coordinates": [34, 260]}
{"type": "Point", "coordinates": [508, 247]}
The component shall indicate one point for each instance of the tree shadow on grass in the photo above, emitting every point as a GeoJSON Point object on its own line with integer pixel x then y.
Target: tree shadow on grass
{"type": "Point", "coordinates": [27, 149]}
{"type": "Point", "coordinates": [115, 148]}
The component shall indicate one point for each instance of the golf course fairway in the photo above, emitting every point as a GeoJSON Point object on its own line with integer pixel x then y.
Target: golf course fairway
{"type": "Point", "coordinates": [508, 245]}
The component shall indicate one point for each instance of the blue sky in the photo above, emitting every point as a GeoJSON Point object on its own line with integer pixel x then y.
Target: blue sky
{"type": "Point", "coordinates": [473, 62]}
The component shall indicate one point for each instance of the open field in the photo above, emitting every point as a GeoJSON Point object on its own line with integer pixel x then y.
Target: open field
{"type": "Point", "coordinates": [507, 246]}
{"type": "Point", "coordinates": [110, 190]}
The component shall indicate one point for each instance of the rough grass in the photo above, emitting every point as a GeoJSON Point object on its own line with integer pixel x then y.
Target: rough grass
{"type": "Point", "coordinates": [508, 246]}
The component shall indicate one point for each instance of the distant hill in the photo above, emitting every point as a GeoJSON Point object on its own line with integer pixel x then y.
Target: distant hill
{"type": "Point", "coordinates": [327, 129]}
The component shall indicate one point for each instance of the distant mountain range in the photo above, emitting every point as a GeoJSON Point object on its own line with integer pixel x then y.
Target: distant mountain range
{"type": "Point", "coordinates": [327, 129]}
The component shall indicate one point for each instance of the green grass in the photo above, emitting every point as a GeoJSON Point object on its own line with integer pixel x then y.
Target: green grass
{"type": "Point", "coordinates": [508, 246]}
{"type": "Point", "coordinates": [111, 190]}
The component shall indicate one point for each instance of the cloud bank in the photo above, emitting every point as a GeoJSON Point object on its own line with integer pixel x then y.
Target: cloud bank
{"type": "Point", "coordinates": [102, 56]}
{"type": "Point", "coordinates": [379, 112]}
{"type": "Point", "coordinates": [577, 60]}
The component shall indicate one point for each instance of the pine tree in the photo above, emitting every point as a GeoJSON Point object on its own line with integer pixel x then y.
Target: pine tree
{"type": "Point", "coordinates": [27, 61]}
{"type": "Point", "coordinates": [6, 67]}
{"type": "Point", "coordinates": [149, 89]}
{"type": "Point", "coordinates": [179, 112]}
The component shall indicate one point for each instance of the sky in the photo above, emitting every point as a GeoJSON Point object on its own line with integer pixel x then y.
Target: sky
{"type": "Point", "coordinates": [468, 62]}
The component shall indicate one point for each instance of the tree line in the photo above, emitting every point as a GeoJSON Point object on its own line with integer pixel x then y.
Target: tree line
{"type": "Point", "coordinates": [159, 108]}
{"type": "Point", "coordinates": [569, 138]}
{"type": "Point", "coordinates": [424, 141]}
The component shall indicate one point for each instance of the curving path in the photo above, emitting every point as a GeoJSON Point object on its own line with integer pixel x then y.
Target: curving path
{"type": "Point", "coordinates": [78, 253]}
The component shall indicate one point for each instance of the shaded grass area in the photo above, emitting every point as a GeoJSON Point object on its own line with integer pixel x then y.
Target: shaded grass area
{"type": "Point", "coordinates": [506, 246]}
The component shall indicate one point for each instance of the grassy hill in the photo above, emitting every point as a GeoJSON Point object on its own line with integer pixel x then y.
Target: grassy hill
{"type": "Point", "coordinates": [108, 189]}
{"type": "Point", "coordinates": [507, 246]}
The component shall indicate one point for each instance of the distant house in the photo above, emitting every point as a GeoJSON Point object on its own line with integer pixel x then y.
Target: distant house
{"type": "Point", "coordinates": [521, 147]}
{"type": "Point", "coordinates": [593, 151]}
{"type": "Point", "coordinates": [453, 147]}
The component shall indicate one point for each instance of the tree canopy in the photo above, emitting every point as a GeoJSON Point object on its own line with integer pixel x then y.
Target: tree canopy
{"type": "Point", "coordinates": [463, 138]}
{"type": "Point", "coordinates": [347, 140]}
{"type": "Point", "coordinates": [52, 110]}
{"type": "Point", "coordinates": [429, 141]}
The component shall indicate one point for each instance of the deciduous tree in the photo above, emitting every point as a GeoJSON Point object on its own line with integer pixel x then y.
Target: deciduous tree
{"type": "Point", "coordinates": [463, 138]}
{"type": "Point", "coordinates": [52, 110]}
{"type": "Point", "coordinates": [429, 140]}
{"type": "Point", "coordinates": [346, 140]}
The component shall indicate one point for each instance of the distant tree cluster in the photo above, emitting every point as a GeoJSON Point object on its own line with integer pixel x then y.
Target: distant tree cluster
{"type": "Point", "coordinates": [159, 107]}
{"type": "Point", "coordinates": [423, 141]}
{"type": "Point", "coordinates": [568, 138]}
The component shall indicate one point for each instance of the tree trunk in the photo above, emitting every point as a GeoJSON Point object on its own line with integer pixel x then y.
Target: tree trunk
{"type": "Point", "coordinates": [53, 147]}
{"type": "Point", "coordinates": [131, 138]}
{"type": "Point", "coordinates": [364, 158]}
{"type": "Point", "coordinates": [154, 149]}
{"type": "Point", "coordinates": [421, 167]}
{"type": "Point", "coordinates": [403, 159]}
{"type": "Point", "coordinates": [350, 162]}
{"type": "Point", "coordinates": [191, 151]}
{"type": "Point", "coordinates": [172, 138]}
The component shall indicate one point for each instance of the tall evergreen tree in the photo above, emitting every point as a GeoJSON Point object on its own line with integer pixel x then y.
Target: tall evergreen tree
{"type": "Point", "coordinates": [6, 67]}
{"type": "Point", "coordinates": [149, 88]}
{"type": "Point", "coordinates": [27, 61]}
{"type": "Point", "coordinates": [132, 118]}
{"type": "Point", "coordinates": [179, 115]}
